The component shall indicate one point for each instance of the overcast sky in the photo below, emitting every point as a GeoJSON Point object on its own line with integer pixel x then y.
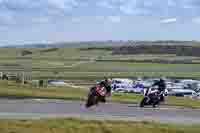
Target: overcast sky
{"type": "Point", "coordinates": [35, 21]}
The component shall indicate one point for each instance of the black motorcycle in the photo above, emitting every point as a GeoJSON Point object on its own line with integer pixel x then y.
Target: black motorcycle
{"type": "Point", "coordinates": [152, 97]}
{"type": "Point", "coordinates": [96, 94]}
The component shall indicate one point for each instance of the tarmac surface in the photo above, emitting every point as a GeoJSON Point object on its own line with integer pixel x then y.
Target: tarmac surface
{"type": "Point", "coordinates": [43, 108]}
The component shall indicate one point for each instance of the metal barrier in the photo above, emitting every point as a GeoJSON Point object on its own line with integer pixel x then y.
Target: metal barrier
{"type": "Point", "coordinates": [17, 76]}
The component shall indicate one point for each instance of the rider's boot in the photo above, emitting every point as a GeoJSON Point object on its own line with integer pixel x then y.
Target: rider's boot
{"type": "Point", "coordinates": [103, 100]}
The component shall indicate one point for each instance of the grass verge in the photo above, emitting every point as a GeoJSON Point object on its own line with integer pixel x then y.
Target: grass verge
{"type": "Point", "coordinates": [11, 89]}
{"type": "Point", "coordinates": [82, 126]}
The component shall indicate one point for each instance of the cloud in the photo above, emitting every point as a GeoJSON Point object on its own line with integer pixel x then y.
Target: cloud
{"type": "Point", "coordinates": [35, 11]}
{"type": "Point", "coordinates": [40, 20]}
{"type": "Point", "coordinates": [6, 18]}
{"type": "Point", "coordinates": [38, 5]}
{"type": "Point", "coordinates": [171, 3]}
{"type": "Point", "coordinates": [127, 9]}
{"type": "Point", "coordinates": [190, 3]}
{"type": "Point", "coordinates": [100, 18]}
{"type": "Point", "coordinates": [105, 4]}
{"type": "Point", "coordinates": [196, 20]}
{"type": "Point", "coordinates": [169, 20]}
{"type": "Point", "coordinates": [63, 4]}
{"type": "Point", "coordinates": [42, 10]}
{"type": "Point", "coordinates": [115, 19]}
{"type": "Point", "coordinates": [76, 20]}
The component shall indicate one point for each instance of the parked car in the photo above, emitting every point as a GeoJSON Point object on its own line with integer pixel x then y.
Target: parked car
{"type": "Point", "coordinates": [182, 92]}
{"type": "Point", "coordinates": [122, 85]}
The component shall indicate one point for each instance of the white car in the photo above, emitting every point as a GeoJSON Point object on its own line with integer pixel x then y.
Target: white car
{"type": "Point", "coordinates": [182, 92]}
{"type": "Point", "coordinates": [122, 85]}
{"type": "Point", "coordinates": [57, 83]}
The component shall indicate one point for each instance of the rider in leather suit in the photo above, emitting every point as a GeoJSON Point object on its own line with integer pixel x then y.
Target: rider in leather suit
{"type": "Point", "coordinates": [107, 85]}
{"type": "Point", "coordinates": [161, 87]}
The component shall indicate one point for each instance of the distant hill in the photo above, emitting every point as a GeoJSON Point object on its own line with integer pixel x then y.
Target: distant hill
{"type": "Point", "coordinates": [178, 50]}
{"type": "Point", "coordinates": [65, 44]}
{"type": "Point", "coordinates": [26, 46]}
{"type": "Point", "coordinates": [101, 43]}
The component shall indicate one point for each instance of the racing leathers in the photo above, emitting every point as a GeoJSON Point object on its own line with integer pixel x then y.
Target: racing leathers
{"type": "Point", "coordinates": [161, 88]}
{"type": "Point", "coordinates": [107, 87]}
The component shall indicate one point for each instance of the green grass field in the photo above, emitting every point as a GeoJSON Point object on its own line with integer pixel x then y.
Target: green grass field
{"type": "Point", "coordinates": [74, 63]}
{"type": "Point", "coordinates": [82, 126]}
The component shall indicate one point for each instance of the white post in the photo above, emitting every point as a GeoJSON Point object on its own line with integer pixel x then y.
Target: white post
{"type": "Point", "coordinates": [1, 75]}
{"type": "Point", "coordinates": [22, 77]}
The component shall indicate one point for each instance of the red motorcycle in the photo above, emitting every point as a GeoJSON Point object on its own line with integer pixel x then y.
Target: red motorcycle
{"type": "Point", "coordinates": [96, 94]}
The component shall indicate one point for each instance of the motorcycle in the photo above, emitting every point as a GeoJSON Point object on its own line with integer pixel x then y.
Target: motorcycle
{"type": "Point", "coordinates": [152, 97]}
{"type": "Point", "coordinates": [96, 94]}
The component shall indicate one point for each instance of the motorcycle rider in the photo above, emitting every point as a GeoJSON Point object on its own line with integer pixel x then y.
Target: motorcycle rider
{"type": "Point", "coordinates": [151, 95]}
{"type": "Point", "coordinates": [161, 87]}
{"type": "Point", "coordinates": [99, 92]}
{"type": "Point", "coordinates": [106, 83]}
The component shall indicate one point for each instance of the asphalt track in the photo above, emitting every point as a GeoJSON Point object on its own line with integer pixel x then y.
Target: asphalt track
{"type": "Point", "coordinates": [38, 109]}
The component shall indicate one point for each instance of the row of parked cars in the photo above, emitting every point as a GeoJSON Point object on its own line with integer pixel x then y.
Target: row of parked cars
{"type": "Point", "coordinates": [174, 87]}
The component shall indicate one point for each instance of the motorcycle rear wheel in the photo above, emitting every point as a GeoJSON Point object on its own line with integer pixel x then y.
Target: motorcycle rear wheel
{"type": "Point", "coordinates": [90, 101]}
{"type": "Point", "coordinates": [142, 103]}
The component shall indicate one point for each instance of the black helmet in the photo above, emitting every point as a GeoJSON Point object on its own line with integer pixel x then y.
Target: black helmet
{"type": "Point", "coordinates": [108, 81]}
